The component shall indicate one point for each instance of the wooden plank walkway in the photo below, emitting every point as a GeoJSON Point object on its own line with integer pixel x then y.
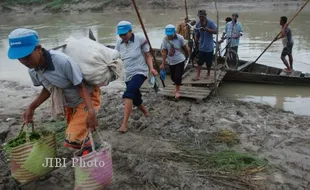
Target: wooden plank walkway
{"type": "Point", "coordinates": [198, 90]}
{"type": "Point", "coordinates": [197, 93]}
{"type": "Point", "coordinates": [188, 79]}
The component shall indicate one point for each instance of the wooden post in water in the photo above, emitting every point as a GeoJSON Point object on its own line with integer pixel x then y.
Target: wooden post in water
{"type": "Point", "coordinates": [186, 16]}
{"type": "Point", "coordinates": [147, 38]}
{"type": "Point", "coordinates": [216, 48]}
{"type": "Point", "coordinates": [281, 31]}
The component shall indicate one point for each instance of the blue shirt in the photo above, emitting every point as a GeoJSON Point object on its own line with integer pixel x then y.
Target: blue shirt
{"type": "Point", "coordinates": [178, 42]}
{"type": "Point", "coordinates": [206, 43]}
{"type": "Point", "coordinates": [232, 30]}
{"type": "Point", "coordinates": [133, 57]}
{"type": "Point", "coordinates": [62, 72]}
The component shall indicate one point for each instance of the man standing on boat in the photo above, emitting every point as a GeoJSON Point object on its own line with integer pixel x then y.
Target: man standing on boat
{"type": "Point", "coordinates": [288, 43]}
{"type": "Point", "coordinates": [233, 31]}
{"type": "Point", "coordinates": [205, 28]}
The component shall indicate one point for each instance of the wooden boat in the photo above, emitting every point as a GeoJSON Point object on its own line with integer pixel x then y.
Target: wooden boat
{"type": "Point", "coordinates": [258, 73]}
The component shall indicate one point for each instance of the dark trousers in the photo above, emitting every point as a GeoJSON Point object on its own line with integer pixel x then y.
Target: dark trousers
{"type": "Point", "coordinates": [177, 72]}
{"type": "Point", "coordinates": [133, 89]}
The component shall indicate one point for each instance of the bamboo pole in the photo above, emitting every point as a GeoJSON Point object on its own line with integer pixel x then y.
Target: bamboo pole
{"type": "Point", "coordinates": [186, 16]}
{"type": "Point", "coordinates": [186, 13]}
{"type": "Point", "coordinates": [216, 48]}
{"type": "Point", "coordinates": [281, 31]}
{"type": "Point", "coordinates": [147, 38]}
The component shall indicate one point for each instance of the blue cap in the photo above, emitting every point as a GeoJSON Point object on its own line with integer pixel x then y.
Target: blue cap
{"type": "Point", "coordinates": [170, 30]}
{"type": "Point", "coordinates": [123, 27]}
{"type": "Point", "coordinates": [22, 42]}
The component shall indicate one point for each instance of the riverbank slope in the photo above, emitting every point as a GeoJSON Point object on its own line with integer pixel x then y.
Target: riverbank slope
{"type": "Point", "coordinates": [76, 6]}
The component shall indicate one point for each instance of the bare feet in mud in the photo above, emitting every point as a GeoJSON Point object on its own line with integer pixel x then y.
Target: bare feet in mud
{"type": "Point", "coordinates": [177, 95]}
{"type": "Point", "coordinates": [143, 110]}
{"type": "Point", "coordinates": [146, 114]}
{"type": "Point", "coordinates": [123, 129]}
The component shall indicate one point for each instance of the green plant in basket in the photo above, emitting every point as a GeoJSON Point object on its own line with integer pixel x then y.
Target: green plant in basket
{"type": "Point", "coordinates": [22, 139]}
{"type": "Point", "coordinates": [27, 153]}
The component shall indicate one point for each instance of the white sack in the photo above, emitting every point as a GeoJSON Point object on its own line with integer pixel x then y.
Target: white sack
{"type": "Point", "coordinates": [99, 64]}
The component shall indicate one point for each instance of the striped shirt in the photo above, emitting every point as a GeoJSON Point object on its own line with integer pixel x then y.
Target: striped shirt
{"type": "Point", "coordinates": [232, 30]}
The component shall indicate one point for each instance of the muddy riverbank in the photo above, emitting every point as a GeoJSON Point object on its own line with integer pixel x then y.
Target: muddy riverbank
{"type": "Point", "coordinates": [166, 150]}
{"type": "Point", "coordinates": [76, 6]}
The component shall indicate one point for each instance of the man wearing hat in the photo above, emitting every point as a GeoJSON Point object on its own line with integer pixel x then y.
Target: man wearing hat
{"type": "Point", "coordinates": [233, 32]}
{"type": "Point", "coordinates": [205, 28]}
{"type": "Point", "coordinates": [53, 69]}
{"type": "Point", "coordinates": [172, 47]}
{"type": "Point", "coordinates": [138, 63]}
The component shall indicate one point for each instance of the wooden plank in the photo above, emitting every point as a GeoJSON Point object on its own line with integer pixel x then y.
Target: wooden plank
{"type": "Point", "coordinates": [194, 96]}
{"type": "Point", "coordinates": [187, 92]}
{"type": "Point", "coordinates": [187, 73]}
{"type": "Point", "coordinates": [187, 89]}
{"type": "Point", "coordinates": [218, 66]}
{"type": "Point", "coordinates": [242, 67]}
{"type": "Point", "coordinates": [203, 79]}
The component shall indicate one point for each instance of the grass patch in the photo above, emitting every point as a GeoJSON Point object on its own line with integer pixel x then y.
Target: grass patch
{"type": "Point", "coordinates": [228, 137]}
{"type": "Point", "coordinates": [56, 5]}
{"type": "Point", "coordinates": [23, 2]}
{"type": "Point", "coordinates": [227, 160]}
{"type": "Point", "coordinates": [51, 5]}
{"type": "Point", "coordinates": [230, 160]}
{"type": "Point", "coordinates": [228, 167]}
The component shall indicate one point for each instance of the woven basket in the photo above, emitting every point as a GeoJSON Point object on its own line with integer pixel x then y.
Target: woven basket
{"type": "Point", "coordinates": [91, 176]}
{"type": "Point", "coordinates": [27, 160]}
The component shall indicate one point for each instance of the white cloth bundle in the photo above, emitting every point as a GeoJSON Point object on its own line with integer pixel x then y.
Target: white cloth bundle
{"type": "Point", "coordinates": [99, 64]}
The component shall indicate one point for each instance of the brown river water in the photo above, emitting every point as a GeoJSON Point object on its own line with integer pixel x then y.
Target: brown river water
{"type": "Point", "coordinates": [260, 27]}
